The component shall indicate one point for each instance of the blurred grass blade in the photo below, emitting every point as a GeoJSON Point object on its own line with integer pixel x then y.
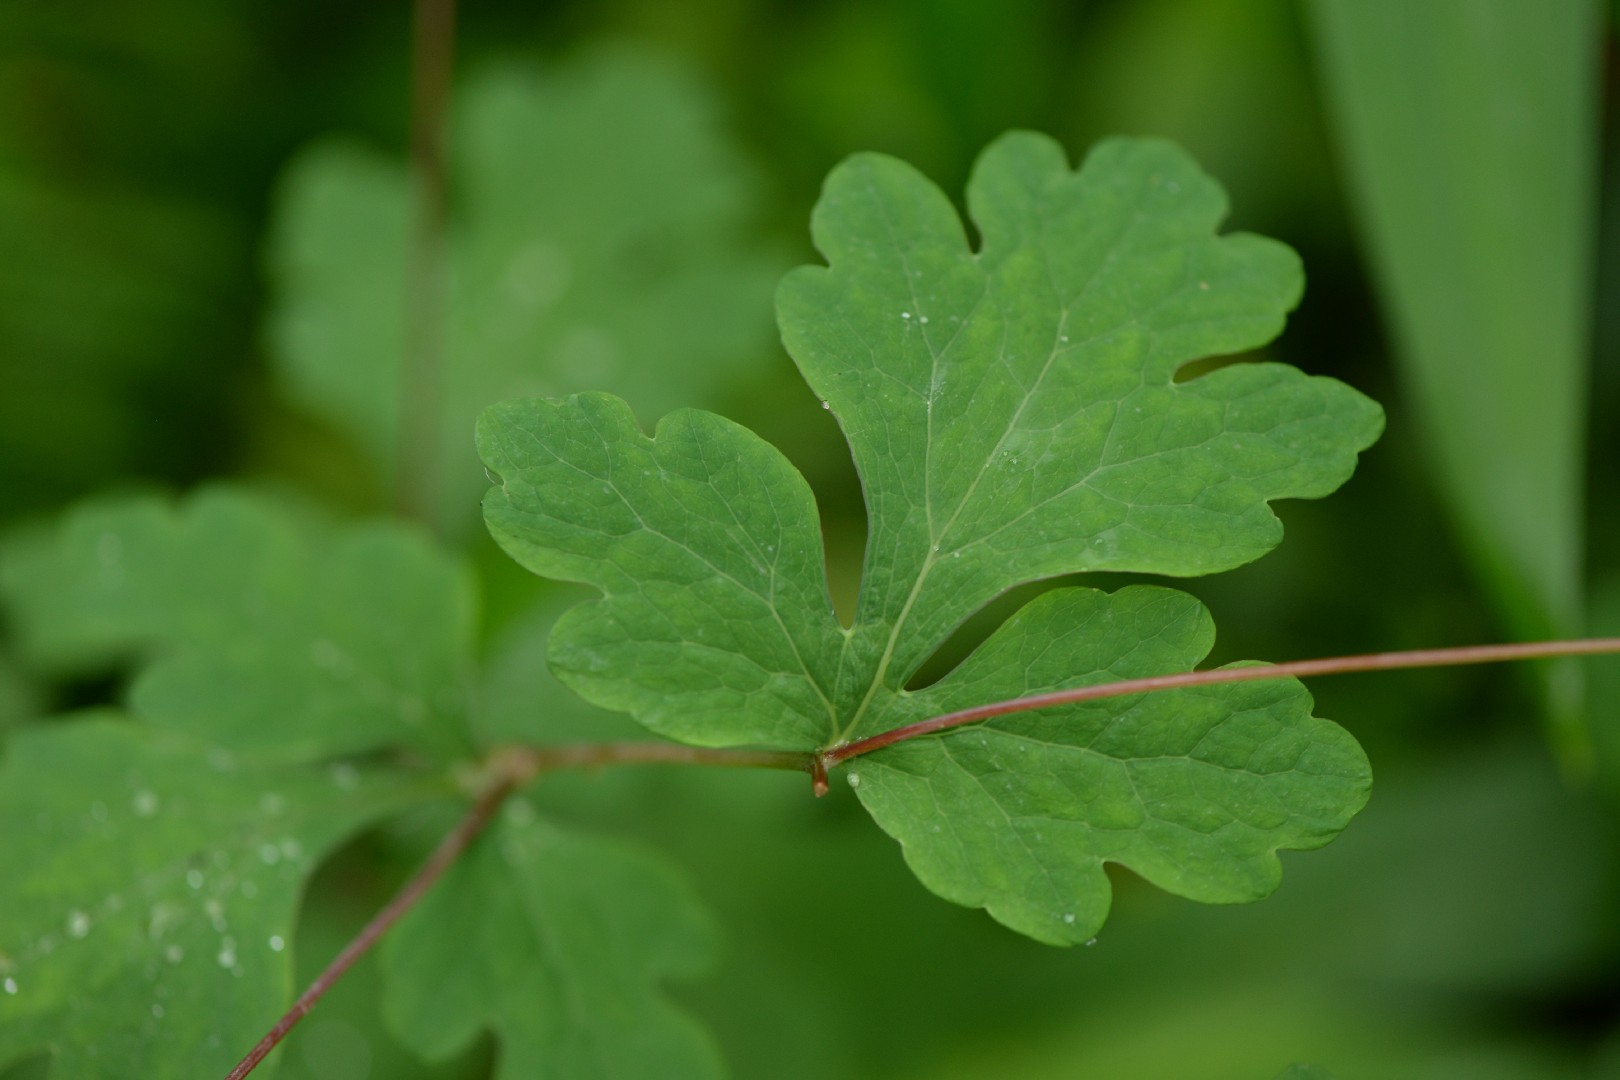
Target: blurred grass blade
{"type": "Point", "coordinates": [1468, 131]}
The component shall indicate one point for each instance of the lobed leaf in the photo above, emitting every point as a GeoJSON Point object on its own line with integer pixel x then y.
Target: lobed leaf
{"type": "Point", "coordinates": [1014, 415]}
{"type": "Point", "coordinates": [154, 870]}
{"type": "Point", "coordinates": [717, 627]}
{"type": "Point", "coordinates": [1195, 790]}
{"type": "Point", "coordinates": [564, 938]}
{"type": "Point", "coordinates": [1013, 412]}
{"type": "Point", "coordinates": [254, 629]}
{"type": "Point", "coordinates": [150, 890]}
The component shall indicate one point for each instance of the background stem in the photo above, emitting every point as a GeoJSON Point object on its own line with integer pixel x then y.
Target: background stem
{"type": "Point", "coordinates": [422, 364]}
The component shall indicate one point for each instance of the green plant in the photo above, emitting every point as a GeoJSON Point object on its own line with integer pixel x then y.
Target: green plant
{"type": "Point", "coordinates": [299, 681]}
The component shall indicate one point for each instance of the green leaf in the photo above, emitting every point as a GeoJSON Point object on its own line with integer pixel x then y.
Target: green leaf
{"type": "Point", "coordinates": [717, 627]}
{"type": "Point", "coordinates": [1195, 790]}
{"type": "Point", "coordinates": [254, 629]}
{"type": "Point", "coordinates": [154, 870]}
{"type": "Point", "coordinates": [1304, 1072]}
{"type": "Point", "coordinates": [572, 264]}
{"type": "Point", "coordinates": [1470, 131]}
{"type": "Point", "coordinates": [562, 941]}
{"type": "Point", "coordinates": [1014, 415]}
{"type": "Point", "coordinates": [150, 889]}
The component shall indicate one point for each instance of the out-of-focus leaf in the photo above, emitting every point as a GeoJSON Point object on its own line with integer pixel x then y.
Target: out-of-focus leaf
{"type": "Point", "coordinates": [150, 892]}
{"type": "Point", "coordinates": [262, 632]}
{"type": "Point", "coordinates": [1469, 129]}
{"type": "Point", "coordinates": [596, 240]}
{"type": "Point", "coordinates": [1603, 681]}
{"type": "Point", "coordinates": [561, 942]}
{"type": "Point", "coordinates": [19, 698]}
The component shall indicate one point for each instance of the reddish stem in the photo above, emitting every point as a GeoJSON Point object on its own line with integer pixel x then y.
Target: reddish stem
{"type": "Point", "coordinates": [449, 849]}
{"type": "Point", "coordinates": [1386, 661]}
{"type": "Point", "coordinates": [422, 365]}
{"type": "Point", "coordinates": [512, 767]}
{"type": "Point", "coordinates": [507, 770]}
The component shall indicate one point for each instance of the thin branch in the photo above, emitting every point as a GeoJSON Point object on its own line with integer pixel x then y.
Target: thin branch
{"type": "Point", "coordinates": [422, 368]}
{"type": "Point", "coordinates": [507, 770]}
{"type": "Point", "coordinates": [449, 849]}
{"type": "Point", "coordinates": [512, 767]}
{"type": "Point", "coordinates": [530, 761]}
{"type": "Point", "coordinates": [1386, 661]}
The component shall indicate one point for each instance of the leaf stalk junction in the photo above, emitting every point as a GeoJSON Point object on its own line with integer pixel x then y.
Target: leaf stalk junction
{"type": "Point", "coordinates": [510, 768]}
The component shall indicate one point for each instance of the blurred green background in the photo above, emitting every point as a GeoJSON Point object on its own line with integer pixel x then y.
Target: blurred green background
{"type": "Point", "coordinates": [195, 213]}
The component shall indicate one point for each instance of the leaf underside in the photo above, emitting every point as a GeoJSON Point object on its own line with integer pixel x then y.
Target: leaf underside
{"type": "Point", "coordinates": [1014, 415]}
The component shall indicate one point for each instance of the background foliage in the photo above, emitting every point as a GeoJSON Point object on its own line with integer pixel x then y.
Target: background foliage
{"type": "Point", "coordinates": [161, 181]}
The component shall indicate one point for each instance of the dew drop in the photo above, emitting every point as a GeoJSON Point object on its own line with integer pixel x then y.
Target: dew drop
{"type": "Point", "coordinates": [146, 803]}
{"type": "Point", "coordinates": [157, 1011]}
{"type": "Point", "coordinates": [905, 314]}
{"type": "Point", "coordinates": [826, 405]}
{"type": "Point", "coordinates": [1204, 285]}
{"type": "Point", "coordinates": [78, 924]}
{"type": "Point", "coordinates": [1090, 943]}
{"type": "Point", "coordinates": [1064, 338]}
{"type": "Point", "coordinates": [277, 943]}
{"type": "Point", "coordinates": [174, 954]}
{"type": "Point", "coordinates": [923, 319]}
{"type": "Point", "coordinates": [292, 850]}
{"type": "Point", "coordinates": [227, 952]}
{"type": "Point", "coordinates": [194, 878]}
{"type": "Point", "coordinates": [10, 985]}
{"type": "Point", "coordinates": [270, 854]}
{"type": "Point", "coordinates": [1068, 917]}
{"type": "Point", "coordinates": [854, 779]}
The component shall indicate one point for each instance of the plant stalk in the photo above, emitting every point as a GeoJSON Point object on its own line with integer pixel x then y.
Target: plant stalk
{"type": "Point", "coordinates": [507, 770]}
{"type": "Point", "coordinates": [1337, 665]}
{"type": "Point", "coordinates": [421, 387]}
{"type": "Point", "coordinates": [510, 768]}
{"type": "Point", "coordinates": [448, 851]}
